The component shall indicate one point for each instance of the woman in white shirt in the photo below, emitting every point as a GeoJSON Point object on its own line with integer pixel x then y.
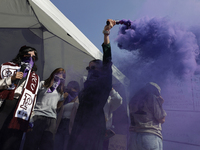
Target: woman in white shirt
{"type": "Point", "coordinates": [49, 94]}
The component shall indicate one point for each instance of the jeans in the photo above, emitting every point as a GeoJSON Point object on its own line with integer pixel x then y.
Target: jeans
{"type": "Point", "coordinates": [10, 139]}
{"type": "Point", "coordinates": [42, 135]}
{"type": "Point", "coordinates": [62, 135]}
{"type": "Point", "coordinates": [144, 141]}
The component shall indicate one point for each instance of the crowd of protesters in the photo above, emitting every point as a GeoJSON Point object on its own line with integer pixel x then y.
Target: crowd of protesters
{"type": "Point", "coordinates": [46, 115]}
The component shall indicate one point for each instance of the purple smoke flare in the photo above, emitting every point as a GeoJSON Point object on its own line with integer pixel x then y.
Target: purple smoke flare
{"type": "Point", "coordinates": [161, 45]}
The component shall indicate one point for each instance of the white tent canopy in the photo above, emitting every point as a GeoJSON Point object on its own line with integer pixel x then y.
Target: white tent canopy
{"type": "Point", "coordinates": [38, 23]}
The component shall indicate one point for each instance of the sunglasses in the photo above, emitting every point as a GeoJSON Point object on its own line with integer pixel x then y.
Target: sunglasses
{"type": "Point", "coordinates": [58, 78]}
{"type": "Point", "coordinates": [91, 68]}
{"type": "Point", "coordinates": [28, 55]}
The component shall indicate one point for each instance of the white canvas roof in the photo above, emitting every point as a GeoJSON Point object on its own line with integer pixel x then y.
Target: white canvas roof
{"type": "Point", "coordinates": [38, 23]}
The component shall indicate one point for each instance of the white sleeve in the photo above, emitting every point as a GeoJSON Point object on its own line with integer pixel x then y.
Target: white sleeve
{"type": "Point", "coordinates": [115, 101]}
{"type": "Point", "coordinates": [4, 83]}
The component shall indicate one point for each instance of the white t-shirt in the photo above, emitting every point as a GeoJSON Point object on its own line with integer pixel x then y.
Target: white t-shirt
{"type": "Point", "coordinates": [46, 103]}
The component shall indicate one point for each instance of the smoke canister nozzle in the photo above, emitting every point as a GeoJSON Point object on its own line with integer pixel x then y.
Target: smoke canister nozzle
{"type": "Point", "coordinates": [117, 22]}
{"type": "Point", "coordinates": [125, 22]}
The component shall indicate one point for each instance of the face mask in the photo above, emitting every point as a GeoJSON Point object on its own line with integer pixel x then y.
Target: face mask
{"type": "Point", "coordinates": [56, 83]}
{"type": "Point", "coordinates": [93, 74]}
{"type": "Point", "coordinates": [28, 63]}
{"type": "Point", "coordinates": [71, 96]}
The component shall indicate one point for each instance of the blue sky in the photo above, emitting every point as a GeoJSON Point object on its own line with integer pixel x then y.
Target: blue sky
{"type": "Point", "coordinates": [90, 16]}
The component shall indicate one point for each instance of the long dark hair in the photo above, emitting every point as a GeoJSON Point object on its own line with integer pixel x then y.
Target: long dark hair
{"type": "Point", "coordinates": [49, 81]}
{"type": "Point", "coordinates": [23, 51]}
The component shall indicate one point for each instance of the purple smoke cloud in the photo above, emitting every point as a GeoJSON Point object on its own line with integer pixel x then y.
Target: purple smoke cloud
{"type": "Point", "coordinates": [162, 47]}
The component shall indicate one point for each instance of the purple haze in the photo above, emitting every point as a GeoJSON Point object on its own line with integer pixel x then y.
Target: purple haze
{"type": "Point", "coordinates": [160, 47]}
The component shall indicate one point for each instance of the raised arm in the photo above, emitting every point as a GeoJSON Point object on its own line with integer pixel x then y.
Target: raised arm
{"type": "Point", "coordinates": [106, 45]}
{"type": "Point", "coordinates": [106, 31]}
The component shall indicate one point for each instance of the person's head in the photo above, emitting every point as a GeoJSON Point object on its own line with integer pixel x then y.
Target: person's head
{"type": "Point", "coordinates": [148, 88]}
{"type": "Point", "coordinates": [57, 73]}
{"type": "Point", "coordinates": [95, 64]}
{"type": "Point", "coordinates": [24, 52]}
{"type": "Point", "coordinates": [94, 69]}
{"type": "Point", "coordinates": [73, 85]}
{"type": "Point", "coordinates": [152, 87]}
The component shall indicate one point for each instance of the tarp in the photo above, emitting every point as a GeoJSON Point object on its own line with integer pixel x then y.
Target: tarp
{"type": "Point", "coordinates": [38, 23]}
